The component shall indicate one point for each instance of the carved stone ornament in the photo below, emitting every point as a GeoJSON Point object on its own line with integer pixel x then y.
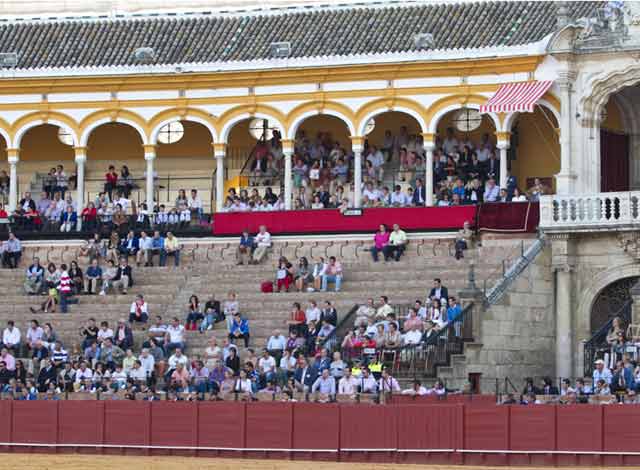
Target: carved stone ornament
{"type": "Point", "coordinates": [630, 243]}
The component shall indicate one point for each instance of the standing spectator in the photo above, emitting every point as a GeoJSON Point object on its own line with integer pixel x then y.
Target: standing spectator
{"type": "Point", "coordinates": [12, 252]}
{"type": "Point", "coordinates": [397, 243]}
{"type": "Point", "coordinates": [92, 277]}
{"type": "Point", "coordinates": [62, 182]}
{"type": "Point", "coordinates": [171, 248]}
{"type": "Point", "coordinates": [239, 329]}
{"type": "Point", "coordinates": [111, 181]}
{"type": "Point", "coordinates": [195, 204]}
{"type": "Point", "coordinates": [380, 242]}
{"type": "Point", "coordinates": [11, 338]}
{"type": "Point", "coordinates": [139, 311]}
{"type": "Point", "coordinates": [333, 274]}
{"type": "Point", "coordinates": [35, 276]}
{"type": "Point", "coordinates": [64, 288]}
{"type": "Point", "coordinates": [245, 248]}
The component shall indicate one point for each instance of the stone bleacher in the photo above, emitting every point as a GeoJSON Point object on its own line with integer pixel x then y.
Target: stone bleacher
{"type": "Point", "coordinates": [209, 267]}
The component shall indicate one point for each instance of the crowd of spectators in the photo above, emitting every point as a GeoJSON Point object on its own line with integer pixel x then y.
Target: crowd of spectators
{"type": "Point", "coordinates": [464, 172]}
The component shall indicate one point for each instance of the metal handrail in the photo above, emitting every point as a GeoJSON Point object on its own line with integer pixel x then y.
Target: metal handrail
{"type": "Point", "coordinates": [342, 326]}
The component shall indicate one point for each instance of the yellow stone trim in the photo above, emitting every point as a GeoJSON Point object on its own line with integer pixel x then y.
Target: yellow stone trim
{"type": "Point", "coordinates": [255, 78]}
{"type": "Point", "coordinates": [44, 116]}
{"type": "Point", "coordinates": [321, 106]}
{"type": "Point", "coordinates": [460, 99]}
{"type": "Point", "coordinates": [79, 151]}
{"type": "Point", "coordinates": [428, 138]}
{"type": "Point", "coordinates": [149, 148]}
{"type": "Point", "coordinates": [113, 115]}
{"type": "Point", "coordinates": [357, 141]}
{"type": "Point", "coordinates": [251, 110]}
{"type": "Point", "coordinates": [219, 148]}
{"type": "Point", "coordinates": [503, 135]}
{"type": "Point", "coordinates": [384, 105]}
{"type": "Point", "coordinates": [180, 114]}
{"type": "Point", "coordinates": [13, 153]}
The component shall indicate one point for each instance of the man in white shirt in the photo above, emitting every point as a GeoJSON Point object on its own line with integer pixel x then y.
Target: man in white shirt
{"type": "Point", "coordinates": [139, 311]}
{"type": "Point", "coordinates": [387, 383]}
{"type": "Point", "coordinates": [174, 337]}
{"type": "Point", "coordinates": [266, 367]}
{"type": "Point", "coordinates": [324, 385]}
{"type": "Point", "coordinates": [450, 143]}
{"type": "Point", "coordinates": [384, 309]}
{"type": "Point", "coordinates": [178, 358]}
{"type": "Point", "coordinates": [365, 312]}
{"type": "Point", "coordinates": [313, 313]}
{"type": "Point", "coordinates": [371, 193]}
{"type": "Point", "coordinates": [348, 384]}
{"type": "Point", "coordinates": [145, 248]}
{"type": "Point", "coordinates": [398, 198]}
{"type": "Point", "coordinates": [601, 372]}
{"type": "Point", "coordinates": [195, 204]}
{"type": "Point", "coordinates": [413, 336]}
{"type": "Point", "coordinates": [416, 389]}
{"type": "Point", "coordinates": [367, 382]}
{"type": "Point", "coordinates": [147, 362]}
{"type": "Point", "coordinates": [11, 337]}
{"type": "Point", "coordinates": [137, 372]}
{"type": "Point", "coordinates": [83, 373]}
{"type": "Point", "coordinates": [263, 244]}
{"type": "Point", "coordinates": [277, 342]}
{"type": "Point", "coordinates": [376, 158]}
{"type": "Point", "coordinates": [492, 191]}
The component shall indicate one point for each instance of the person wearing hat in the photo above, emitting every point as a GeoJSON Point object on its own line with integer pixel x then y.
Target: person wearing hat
{"type": "Point", "coordinates": [601, 372]}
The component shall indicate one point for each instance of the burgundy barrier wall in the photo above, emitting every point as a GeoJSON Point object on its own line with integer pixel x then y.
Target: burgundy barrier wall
{"type": "Point", "coordinates": [509, 217]}
{"type": "Point", "coordinates": [332, 221]}
{"type": "Point", "coordinates": [412, 432]}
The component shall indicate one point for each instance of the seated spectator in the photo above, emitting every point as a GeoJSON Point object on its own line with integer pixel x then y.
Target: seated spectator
{"type": "Point", "coordinates": [266, 368]}
{"type": "Point", "coordinates": [416, 389]}
{"type": "Point", "coordinates": [123, 336]}
{"type": "Point", "coordinates": [380, 242]}
{"type": "Point", "coordinates": [263, 245]}
{"type": "Point", "coordinates": [194, 204]}
{"type": "Point", "coordinates": [397, 243]}
{"type": "Point", "coordinates": [194, 315]}
{"type": "Point", "coordinates": [399, 198]}
{"type": "Point", "coordinates": [157, 248]}
{"type": "Point", "coordinates": [462, 240]}
{"type": "Point", "coordinates": [123, 279]}
{"type": "Point", "coordinates": [284, 274]}
{"type": "Point", "coordinates": [11, 337]}
{"type": "Point", "coordinates": [145, 247]}
{"type": "Point", "coordinates": [89, 333]}
{"type": "Point", "coordinates": [174, 337]}
{"type": "Point", "coordinates": [239, 329]}
{"type": "Point", "coordinates": [171, 248]}
{"type": "Point", "coordinates": [387, 383]}
{"type": "Point", "coordinates": [325, 385]}
{"type": "Point", "coordinates": [129, 246]}
{"type": "Point", "coordinates": [11, 252]}
{"type": "Point", "coordinates": [89, 216]}
{"type": "Point", "coordinates": [212, 314]}
{"type": "Point", "coordinates": [438, 291]}
{"type": "Point", "coordinates": [104, 332]}
{"type": "Point", "coordinates": [139, 311]}
{"type": "Point", "coordinates": [276, 344]}
{"type": "Point", "coordinates": [108, 277]}
{"type": "Point", "coordinates": [33, 284]}
{"type": "Point", "coordinates": [319, 270]}
{"type": "Point", "coordinates": [245, 248]}
{"type": "Point", "coordinates": [367, 382]}
{"type": "Point", "coordinates": [491, 192]}
{"type": "Point", "coordinates": [110, 354]}
{"type": "Point", "coordinates": [601, 372]}
{"type": "Point", "coordinates": [34, 333]}
{"type": "Point", "coordinates": [413, 320]}
{"type": "Point", "coordinates": [384, 309]}
{"type": "Point", "coordinates": [365, 312]}
{"type": "Point", "coordinates": [325, 331]}
{"type": "Point", "coordinates": [69, 219]}
{"type": "Point", "coordinates": [77, 278]}
{"type": "Point", "coordinates": [93, 277]}
{"type": "Point", "coordinates": [333, 274]}
{"type": "Point", "coordinates": [392, 338]}
{"type": "Point", "coordinates": [304, 275]}
{"type": "Point", "coordinates": [329, 314]}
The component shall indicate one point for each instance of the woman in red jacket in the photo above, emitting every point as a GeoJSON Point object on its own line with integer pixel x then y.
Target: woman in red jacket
{"type": "Point", "coordinates": [89, 216]}
{"type": "Point", "coordinates": [111, 179]}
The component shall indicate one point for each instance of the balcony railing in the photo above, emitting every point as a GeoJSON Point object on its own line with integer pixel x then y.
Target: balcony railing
{"type": "Point", "coordinates": [590, 211]}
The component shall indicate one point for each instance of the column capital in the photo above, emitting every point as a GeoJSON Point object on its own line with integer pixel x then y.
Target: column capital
{"type": "Point", "coordinates": [428, 138]}
{"type": "Point", "coordinates": [287, 146]}
{"type": "Point", "coordinates": [503, 135]}
{"type": "Point", "coordinates": [13, 153]}
{"type": "Point", "coordinates": [503, 144]}
{"type": "Point", "coordinates": [219, 150]}
{"type": "Point", "coordinates": [357, 142]}
{"type": "Point", "coordinates": [149, 149]}
{"type": "Point", "coordinates": [81, 153]}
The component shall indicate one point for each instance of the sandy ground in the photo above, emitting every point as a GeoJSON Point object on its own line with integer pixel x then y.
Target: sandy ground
{"type": "Point", "coordinates": [88, 462]}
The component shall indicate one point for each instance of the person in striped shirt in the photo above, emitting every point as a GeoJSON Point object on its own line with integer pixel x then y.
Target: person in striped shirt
{"type": "Point", "coordinates": [64, 288]}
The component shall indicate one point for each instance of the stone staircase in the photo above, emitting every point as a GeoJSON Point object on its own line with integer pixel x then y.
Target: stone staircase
{"type": "Point", "coordinates": [209, 267]}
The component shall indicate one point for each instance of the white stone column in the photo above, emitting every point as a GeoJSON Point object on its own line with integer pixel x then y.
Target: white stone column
{"type": "Point", "coordinates": [429, 147]}
{"type": "Point", "coordinates": [13, 157]}
{"type": "Point", "coordinates": [219, 151]}
{"type": "Point", "coordinates": [565, 179]}
{"type": "Point", "coordinates": [287, 151]}
{"type": "Point", "coordinates": [150, 156]}
{"type": "Point", "coordinates": [357, 147]}
{"type": "Point", "coordinates": [81, 158]}
{"type": "Point", "coordinates": [562, 249]}
{"type": "Point", "coordinates": [503, 146]}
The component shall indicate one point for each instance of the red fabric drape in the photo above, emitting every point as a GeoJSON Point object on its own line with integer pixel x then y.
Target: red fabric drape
{"type": "Point", "coordinates": [614, 161]}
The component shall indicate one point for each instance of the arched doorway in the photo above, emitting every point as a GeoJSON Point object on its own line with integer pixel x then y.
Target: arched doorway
{"type": "Point", "coordinates": [619, 158]}
{"type": "Point", "coordinates": [612, 301]}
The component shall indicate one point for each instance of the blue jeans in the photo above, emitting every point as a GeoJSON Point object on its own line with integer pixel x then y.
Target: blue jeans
{"type": "Point", "coordinates": [171, 347]}
{"type": "Point", "coordinates": [209, 320]}
{"type": "Point", "coordinates": [63, 302]}
{"type": "Point", "coordinates": [175, 254]}
{"type": "Point", "coordinates": [328, 278]}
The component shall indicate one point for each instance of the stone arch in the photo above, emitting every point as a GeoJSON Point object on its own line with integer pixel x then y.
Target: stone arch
{"type": "Point", "coordinates": [181, 114]}
{"type": "Point", "coordinates": [598, 91]}
{"type": "Point", "coordinates": [454, 102]}
{"type": "Point", "coordinates": [384, 105]}
{"type": "Point", "coordinates": [598, 282]}
{"type": "Point", "coordinates": [240, 113]}
{"type": "Point", "coordinates": [99, 118]}
{"type": "Point", "coordinates": [22, 125]}
{"type": "Point", "coordinates": [5, 131]}
{"type": "Point", "coordinates": [298, 115]}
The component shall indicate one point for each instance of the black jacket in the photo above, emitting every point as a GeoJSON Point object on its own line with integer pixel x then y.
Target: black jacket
{"type": "Point", "coordinates": [126, 271]}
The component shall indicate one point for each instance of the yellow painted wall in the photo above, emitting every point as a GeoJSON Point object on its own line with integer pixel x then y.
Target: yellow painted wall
{"type": "Point", "coordinates": [239, 145]}
{"type": "Point", "coordinates": [322, 123]}
{"type": "Point", "coordinates": [392, 121]}
{"type": "Point", "coordinates": [41, 143]}
{"type": "Point", "coordinates": [538, 151]}
{"type": "Point", "coordinates": [114, 141]}
{"type": "Point", "coordinates": [486, 127]}
{"type": "Point", "coordinates": [196, 142]}
{"type": "Point", "coordinates": [614, 121]}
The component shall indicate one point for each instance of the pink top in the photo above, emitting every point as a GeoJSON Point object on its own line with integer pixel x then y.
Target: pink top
{"type": "Point", "coordinates": [381, 239]}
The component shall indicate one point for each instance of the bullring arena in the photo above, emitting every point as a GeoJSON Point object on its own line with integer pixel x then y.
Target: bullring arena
{"type": "Point", "coordinates": [343, 234]}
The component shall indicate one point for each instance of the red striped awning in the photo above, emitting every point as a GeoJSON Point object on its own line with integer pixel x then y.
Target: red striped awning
{"type": "Point", "coordinates": [516, 97]}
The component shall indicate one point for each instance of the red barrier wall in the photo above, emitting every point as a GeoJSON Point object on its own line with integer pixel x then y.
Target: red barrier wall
{"type": "Point", "coordinates": [446, 433]}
